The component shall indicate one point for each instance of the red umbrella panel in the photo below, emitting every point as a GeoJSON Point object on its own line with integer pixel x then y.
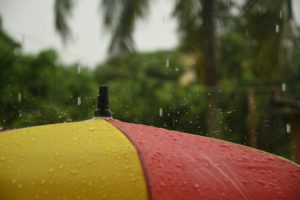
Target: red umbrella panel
{"type": "Point", "coordinates": [185, 166]}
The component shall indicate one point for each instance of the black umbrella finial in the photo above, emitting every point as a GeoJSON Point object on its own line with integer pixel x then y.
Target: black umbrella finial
{"type": "Point", "coordinates": [103, 103]}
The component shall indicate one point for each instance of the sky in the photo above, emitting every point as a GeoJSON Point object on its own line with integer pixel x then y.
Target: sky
{"type": "Point", "coordinates": [31, 22]}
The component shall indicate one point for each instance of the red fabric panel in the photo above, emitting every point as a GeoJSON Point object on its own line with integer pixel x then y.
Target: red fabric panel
{"type": "Point", "coordinates": [189, 167]}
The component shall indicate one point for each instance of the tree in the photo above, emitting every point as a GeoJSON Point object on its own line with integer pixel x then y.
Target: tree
{"type": "Point", "coordinates": [196, 19]}
{"type": "Point", "coordinates": [269, 27]}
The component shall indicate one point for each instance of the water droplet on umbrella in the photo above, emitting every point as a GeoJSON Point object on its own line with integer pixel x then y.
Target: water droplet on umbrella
{"type": "Point", "coordinates": [261, 182]}
{"type": "Point", "coordinates": [51, 170]}
{"type": "Point", "coordinates": [91, 128]}
{"type": "Point", "coordinates": [90, 183]}
{"type": "Point", "coordinates": [271, 158]}
{"type": "Point", "coordinates": [74, 171]}
{"type": "Point", "coordinates": [133, 179]}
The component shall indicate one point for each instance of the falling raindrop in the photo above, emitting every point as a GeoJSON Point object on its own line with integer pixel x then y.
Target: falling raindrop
{"type": "Point", "coordinates": [277, 28]}
{"type": "Point", "coordinates": [283, 87]}
{"type": "Point", "coordinates": [288, 128]}
{"type": "Point", "coordinates": [280, 14]}
{"type": "Point", "coordinates": [79, 101]}
{"type": "Point", "coordinates": [161, 112]}
{"type": "Point", "coordinates": [78, 69]}
{"type": "Point", "coordinates": [19, 97]}
{"type": "Point", "coordinates": [167, 62]}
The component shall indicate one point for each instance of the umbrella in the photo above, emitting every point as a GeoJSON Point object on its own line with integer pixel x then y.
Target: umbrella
{"type": "Point", "coordinates": [104, 158]}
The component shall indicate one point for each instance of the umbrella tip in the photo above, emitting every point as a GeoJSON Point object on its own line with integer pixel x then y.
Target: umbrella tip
{"type": "Point", "coordinates": [103, 103]}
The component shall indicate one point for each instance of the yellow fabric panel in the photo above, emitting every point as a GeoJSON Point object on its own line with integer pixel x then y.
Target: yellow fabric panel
{"type": "Point", "coordinates": [81, 160]}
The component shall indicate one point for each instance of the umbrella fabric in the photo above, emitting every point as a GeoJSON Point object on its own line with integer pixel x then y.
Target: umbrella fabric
{"type": "Point", "coordinates": [185, 166]}
{"type": "Point", "coordinates": [82, 160]}
{"type": "Point", "coordinates": [109, 159]}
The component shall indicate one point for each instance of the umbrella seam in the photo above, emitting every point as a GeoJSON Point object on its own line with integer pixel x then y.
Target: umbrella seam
{"type": "Point", "coordinates": [142, 162]}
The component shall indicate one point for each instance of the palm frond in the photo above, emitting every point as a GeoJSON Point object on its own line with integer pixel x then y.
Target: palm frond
{"type": "Point", "coordinates": [63, 9]}
{"type": "Point", "coordinates": [119, 18]}
{"type": "Point", "coordinates": [188, 15]}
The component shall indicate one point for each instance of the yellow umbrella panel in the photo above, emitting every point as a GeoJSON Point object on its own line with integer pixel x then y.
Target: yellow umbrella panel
{"type": "Point", "coordinates": [81, 160]}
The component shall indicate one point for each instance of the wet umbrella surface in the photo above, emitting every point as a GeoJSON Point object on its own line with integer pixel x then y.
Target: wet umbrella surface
{"type": "Point", "coordinates": [103, 158]}
{"type": "Point", "coordinates": [110, 159]}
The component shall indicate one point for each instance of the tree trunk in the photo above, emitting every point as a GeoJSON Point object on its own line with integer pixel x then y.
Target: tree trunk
{"type": "Point", "coordinates": [295, 131]}
{"type": "Point", "coordinates": [209, 49]}
{"type": "Point", "coordinates": [252, 118]}
{"type": "Point", "coordinates": [209, 52]}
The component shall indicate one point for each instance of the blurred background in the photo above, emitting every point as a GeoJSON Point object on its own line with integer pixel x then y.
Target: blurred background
{"type": "Point", "coordinates": [228, 69]}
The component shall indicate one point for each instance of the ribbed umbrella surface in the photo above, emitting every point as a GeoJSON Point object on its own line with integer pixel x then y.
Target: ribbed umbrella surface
{"type": "Point", "coordinates": [110, 159]}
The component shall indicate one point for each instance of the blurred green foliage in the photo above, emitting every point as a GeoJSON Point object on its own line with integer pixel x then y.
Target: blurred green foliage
{"type": "Point", "coordinates": [37, 89]}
